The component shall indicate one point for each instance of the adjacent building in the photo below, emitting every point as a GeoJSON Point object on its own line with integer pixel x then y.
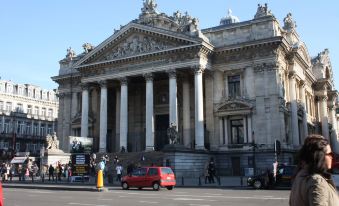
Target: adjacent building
{"type": "Point", "coordinates": [27, 114]}
{"type": "Point", "coordinates": [231, 90]}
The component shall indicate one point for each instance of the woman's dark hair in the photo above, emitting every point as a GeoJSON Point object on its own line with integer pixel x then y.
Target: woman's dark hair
{"type": "Point", "coordinates": [313, 154]}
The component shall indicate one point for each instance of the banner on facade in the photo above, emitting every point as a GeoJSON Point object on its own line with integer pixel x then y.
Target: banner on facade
{"type": "Point", "coordinates": [80, 164]}
{"type": "Point", "coordinates": [80, 144]}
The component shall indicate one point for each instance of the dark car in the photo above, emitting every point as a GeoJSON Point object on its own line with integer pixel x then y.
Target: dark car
{"type": "Point", "coordinates": [266, 180]}
{"type": "Point", "coordinates": [154, 177]}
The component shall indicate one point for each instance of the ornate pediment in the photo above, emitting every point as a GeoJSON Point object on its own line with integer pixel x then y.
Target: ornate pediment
{"type": "Point", "coordinates": [234, 106]}
{"type": "Point", "coordinates": [136, 40]}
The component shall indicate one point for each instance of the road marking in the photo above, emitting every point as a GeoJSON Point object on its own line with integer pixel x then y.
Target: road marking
{"type": "Point", "coordinates": [106, 199]}
{"type": "Point", "coordinates": [84, 204]}
{"type": "Point", "coordinates": [198, 205]}
{"type": "Point", "coordinates": [148, 202]}
{"type": "Point", "coordinates": [187, 199]}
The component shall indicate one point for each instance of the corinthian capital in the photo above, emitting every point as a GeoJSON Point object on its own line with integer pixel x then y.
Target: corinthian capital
{"type": "Point", "coordinates": [172, 73]}
{"type": "Point", "coordinates": [102, 83]}
{"type": "Point", "coordinates": [123, 81]}
{"type": "Point", "coordinates": [148, 77]}
{"type": "Point", "coordinates": [198, 69]}
{"type": "Point", "coordinates": [84, 86]}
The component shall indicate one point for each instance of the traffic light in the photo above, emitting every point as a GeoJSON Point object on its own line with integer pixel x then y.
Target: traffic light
{"type": "Point", "coordinates": [277, 147]}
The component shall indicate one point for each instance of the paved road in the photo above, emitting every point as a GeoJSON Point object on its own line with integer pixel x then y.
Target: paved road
{"type": "Point", "coordinates": [176, 197]}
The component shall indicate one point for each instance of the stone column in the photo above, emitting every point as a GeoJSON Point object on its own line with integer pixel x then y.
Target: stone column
{"type": "Point", "coordinates": [324, 116]}
{"type": "Point", "coordinates": [186, 114]}
{"type": "Point", "coordinates": [84, 112]}
{"type": "Point", "coordinates": [149, 113]}
{"type": "Point", "coordinates": [103, 117]}
{"type": "Point", "coordinates": [303, 101]}
{"type": "Point", "coordinates": [74, 104]}
{"type": "Point", "coordinates": [225, 130]}
{"type": "Point", "coordinates": [117, 120]}
{"type": "Point", "coordinates": [123, 113]}
{"type": "Point", "coordinates": [199, 109]}
{"type": "Point", "coordinates": [173, 104]}
{"type": "Point", "coordinates": [294, 110]}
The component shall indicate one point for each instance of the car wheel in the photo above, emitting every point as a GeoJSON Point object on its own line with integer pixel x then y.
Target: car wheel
{"type": "Point", "coordinates": [257, 184]}
{"type": "Point", "coordinates": [170, 187]}
{"type": "Point", "coordinates": [125, 186]}
{"type": "Point", "coordinates": [156, 186]}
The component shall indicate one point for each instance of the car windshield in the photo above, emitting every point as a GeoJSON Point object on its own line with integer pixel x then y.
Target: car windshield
{"type": "Point", "coordinates": [139, 172]}
{"type": "Point", "coordinates": [166, 170]}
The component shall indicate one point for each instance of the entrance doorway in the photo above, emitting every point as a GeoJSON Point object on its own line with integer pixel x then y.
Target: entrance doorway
{"type": "Point", "coordinates": [161, 125]}
{"type": "Point", "coordinates": [236, 166]}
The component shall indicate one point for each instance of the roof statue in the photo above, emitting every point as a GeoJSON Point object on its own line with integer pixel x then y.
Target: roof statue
{"type": "Point", "coordinates": [262, 11]}
{"type": "Point", "coordinates": [70, 53]}
{"type": "Point", "coordinates": [87, 47]}
{"type": "Point", "coordinates": [289, 23]}
{"type": "Point", "coordinates": [149, 7]}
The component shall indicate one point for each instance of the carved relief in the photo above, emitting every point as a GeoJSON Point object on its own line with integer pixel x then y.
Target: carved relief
{"type": "Point", "coordinates": [138, 45]}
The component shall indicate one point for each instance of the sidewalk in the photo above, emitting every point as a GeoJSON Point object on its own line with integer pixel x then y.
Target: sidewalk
{"type": "Point", "coordinates": [225, 182]}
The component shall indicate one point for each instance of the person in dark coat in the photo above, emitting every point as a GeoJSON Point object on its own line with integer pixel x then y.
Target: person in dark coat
{"type": "Point", "coordinates": [50, 173]}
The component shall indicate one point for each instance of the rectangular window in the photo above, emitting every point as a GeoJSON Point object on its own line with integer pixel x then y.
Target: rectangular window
{"type": "Point", "coordinates": [42, 130]}
{"type": "Point", "coordinates": [29, 109]}
{"type": "Point", "coordinates": [43, 112]}
{"type": "Point", "coordinates": [17, 146]}
{"type": "Point", "coordinates": [6, 145]}
{"type": "Point", "coordinates": [36, 110]}
{"type": "Point", "coordinates": [237, 131]}
{"type": "Point", "coordinates": [234, 86]}
{"type": "Point", "coordinates": [20, 91]}
{"type": "Point", "coordinates": [21, 128]}
{"type": "Point", "coordinates": [28, 129]}
{"type": "Point", "coordinates": [9, 106]}
{"type": "Point", "coordinates": [49, 130]}
{"type": "Point", "coordinates": [19, 108]}
{"type": "Point", "coordinates": [35, 130]}
{"type": "Point", "coordinates": [50, 112]}
{"type": "Point", "coordinates": [6, 127]}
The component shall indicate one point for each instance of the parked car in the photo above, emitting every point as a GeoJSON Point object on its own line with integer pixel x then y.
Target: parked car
{"type": "Point", "coordinates": [266, 180]}
{"type": "Point", "coordinates": [155, 177]}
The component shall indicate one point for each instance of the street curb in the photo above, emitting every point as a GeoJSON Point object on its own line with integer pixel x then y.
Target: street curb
{"type": "Point", "coordinates": [49, 187]}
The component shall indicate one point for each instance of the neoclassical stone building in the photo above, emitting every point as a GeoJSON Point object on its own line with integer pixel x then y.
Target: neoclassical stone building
{"type": "Point", "coordinates": [231, 90]}
{"type": "Point", "coordinates": [27, 114]}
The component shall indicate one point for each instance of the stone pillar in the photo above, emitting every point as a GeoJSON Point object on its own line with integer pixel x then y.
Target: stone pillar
{"type": "Point", "coordinates": [149, 113]}
{"type": "Point", "coordinates": [294, 110]}
{"type": "Point", "coordinates": [103, 117]}
{"type": "Point", "coordinates": [173, 104]}
{"type": "Point", "coordinates": [303, 101]}
{"type": "Point", "coordinates": [249, 122]}
{"type": "Point", "coordinates": [324, 116]}
{"type": "Point", "coordinates": [117, 120]}
{"type": "Point", "coordinates": [84, 112]}
{"type": "Point", "coordinates": [123, 113]}
{"type": "Point", "coordinates": [186, 114]}
{"type": "Point", "coordinates": [74, 109]}
{"type": "Point", "coordinates": [199, 109]}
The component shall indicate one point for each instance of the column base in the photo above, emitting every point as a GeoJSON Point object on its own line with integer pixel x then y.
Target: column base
{"type": "Point", "coordinates": [149, 148]}
{"type": "Point", "coordinates": [200, 147]}
{"type": "Point", "coordinates": [102, 150]}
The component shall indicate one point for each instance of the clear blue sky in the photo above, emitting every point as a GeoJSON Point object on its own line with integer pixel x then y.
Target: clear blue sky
{"type": "Point", "coordinates": [36, 33]}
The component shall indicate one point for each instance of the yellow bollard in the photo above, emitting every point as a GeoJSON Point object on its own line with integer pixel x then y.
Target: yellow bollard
{"type": "Point", "coordinates": [100, 181]}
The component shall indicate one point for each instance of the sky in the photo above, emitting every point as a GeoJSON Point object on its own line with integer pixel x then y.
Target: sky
{"type": "Point", "coordinates": [35, 34]}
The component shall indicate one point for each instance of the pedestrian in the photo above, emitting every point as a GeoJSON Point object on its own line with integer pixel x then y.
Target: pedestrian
{"type": "Point", "coordinates": [206, 173]}
{"type": "Point", "coordinates": [313, 184]}
{"type": "Point", "coordinates": [119, 169]}
{"type": "Point", "coordinates": [51, 172]}
{"type": "Point", "coordinates": [211, 170]}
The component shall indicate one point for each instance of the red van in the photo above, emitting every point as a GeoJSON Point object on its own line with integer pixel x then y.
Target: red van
{"type": "Point", "coordinates": [154, 177]}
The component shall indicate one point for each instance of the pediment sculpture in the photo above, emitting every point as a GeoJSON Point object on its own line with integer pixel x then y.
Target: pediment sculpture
{"type": "Point", "coordinates": [138, 45]}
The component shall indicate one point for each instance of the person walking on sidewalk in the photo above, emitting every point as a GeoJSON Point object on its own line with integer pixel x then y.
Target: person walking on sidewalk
{"type": "Point", "coordinates": [51, 173]}
{"type": "Point", "coordinates": [119, 169]}
{"type": "Point", "coordinates": [211, 170]}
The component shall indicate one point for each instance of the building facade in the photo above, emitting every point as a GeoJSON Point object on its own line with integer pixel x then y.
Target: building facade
{"type": "Point", "coordinates": [27, 114]}
{"type": "Point", "coordinates": [231, 90]}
